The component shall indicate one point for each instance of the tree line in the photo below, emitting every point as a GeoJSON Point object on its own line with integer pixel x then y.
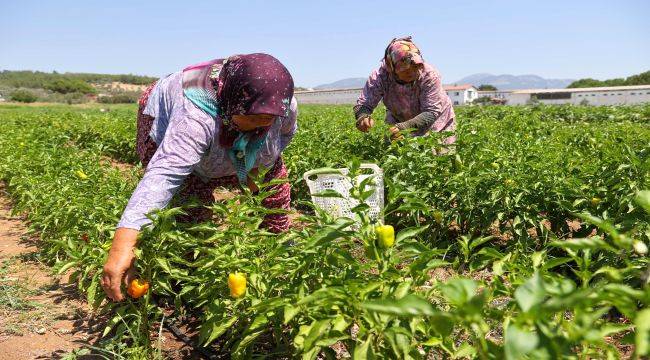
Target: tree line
{"type": "Point", "coordinates": [65, 83]}
{"type": "Point", "coordinates": [639, 79]}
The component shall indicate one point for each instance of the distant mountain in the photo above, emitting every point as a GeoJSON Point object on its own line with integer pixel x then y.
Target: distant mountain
{"type": "Point", "coordinates": [513, 82]}
{"type": "Point", "coordinates": [502, 82]}
{"type": "Point", "coordinates": [349, 83]}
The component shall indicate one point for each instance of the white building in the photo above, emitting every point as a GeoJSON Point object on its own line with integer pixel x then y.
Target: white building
{"type": "Point", "coordinates": [459, 94]}
{"type": "Point", "coordinates": [495, 94]}
{"type": "Point", "coordinates": [613, 95]}
{"type": "Point", "coordinates": [336, 96]}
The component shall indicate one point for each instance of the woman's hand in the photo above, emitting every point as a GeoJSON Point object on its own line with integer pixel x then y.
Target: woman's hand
{"type": "Point", "coordinates": [118, 269]}
{"type": "Point", "coordinates": [365, 124]}
{"type": "Point", "coordinates": [395, 133]}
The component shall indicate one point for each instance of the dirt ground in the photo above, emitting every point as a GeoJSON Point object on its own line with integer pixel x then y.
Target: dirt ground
{"type": "Point", "coordinates": [42, 316]}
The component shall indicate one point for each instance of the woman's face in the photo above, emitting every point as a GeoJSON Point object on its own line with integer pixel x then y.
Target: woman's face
{"type": "Point", "coordinates": [408, 74]}
{"type": "Point", "coordinates": [252, 122]}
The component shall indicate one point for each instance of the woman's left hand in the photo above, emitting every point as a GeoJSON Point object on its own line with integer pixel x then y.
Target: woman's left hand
{"type": "Point", "coordinates": [395, 134]}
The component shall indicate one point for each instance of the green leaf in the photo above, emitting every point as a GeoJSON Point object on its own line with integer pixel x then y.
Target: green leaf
{"type": "Point", "coordinates": [443, 323]}
{"type": "Point", "coordinates": [331, 338]}
{"type": "Point", "coordinates": [519, 342]}
{"type": "Point", "coordinates": [464, 351]}
{"type": "Point", "coordinates": [402, 289]}
{"type": "Point", "coordinates": [339, 323]}
{"type": "Point", "coordinates": [537, 258]}
{"type": "Point", "coordinates": [531, 293]}
{"type": "Point", "coordinates": [257, 328]}
{"type": "Point", "coordinates": [555, 262]}
{"type": "Point", "coordinates": [643, 199]}
{"type": "Point", "coordinates": [592, 243]}
{"type": "Point", "coordinates": [67, 266]}
{"type": "Point", "coordinates": [92, 290]}
{"type": "Point", "coordinates": [317, 329]}
{"type": "Point", "coordinates": [289, 312]}
{"type": "Point", "coordinates": [479, 241]}
{"type": "Point", "coordinates": [409, 233]}
{"type": "Point", "coordinates": [329, 193]}
{"type": "Point", "coordinates": [434, 341]}
{"type": "Point", "coordinates": [459, 290]}
{"type": "Point", "coordinates": [363, 351]}
{"type": "Point", "coordinates": [326, 170]}
{"type": "Point", "coordinates": [611, 272]}
{"type": "Point", "coordinates": [164, 264]}
{"type": "Point", "coordinates": [642, 332]}
{"type": "Point", "coordinates": [410, 305]}
{"type": "Point", "coordinates": [217, 329]}
{"type": "Point", "coordinates": [399, 340]}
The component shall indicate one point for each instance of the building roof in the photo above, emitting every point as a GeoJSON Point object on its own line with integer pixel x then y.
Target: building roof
{"type": "Point", "coordinates": [606, 88]}
{"type": "Point", "coordinates": [495, 91]}
{"type": "Point", "coordinates": [457, 87]}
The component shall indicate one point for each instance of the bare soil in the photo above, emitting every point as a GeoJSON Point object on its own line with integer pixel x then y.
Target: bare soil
{"type": "Point", "coordinates": [41, 316]}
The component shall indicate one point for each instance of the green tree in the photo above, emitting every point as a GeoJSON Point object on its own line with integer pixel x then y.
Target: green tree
{"type": "Point", "coordinates": [640, 79]}
{"type": "Point", "coordinates": [23, 96]}
{"type": "Point", "coordinates": [66, 86]}
{"type": "Point", "coordinates": [487, 87]}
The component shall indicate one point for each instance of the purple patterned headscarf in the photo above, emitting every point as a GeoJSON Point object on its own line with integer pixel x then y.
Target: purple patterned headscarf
{"type": "Point", "coordinates": [254, 84]}
{"type": "Point", "coordinates": [239, 85]}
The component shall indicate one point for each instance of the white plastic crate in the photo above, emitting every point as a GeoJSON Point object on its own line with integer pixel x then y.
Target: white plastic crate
{"type": "Point", "coordinates": [341, 183]}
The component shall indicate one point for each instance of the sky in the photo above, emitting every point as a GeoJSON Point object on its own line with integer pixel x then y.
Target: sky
{"type": "Point", "coordinates": [325, 41]}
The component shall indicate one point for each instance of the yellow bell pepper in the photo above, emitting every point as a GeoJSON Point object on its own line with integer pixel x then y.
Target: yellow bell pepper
{"type": "Point", "coordinates": [81, 175]}
{"type": "Point", "coordinates": [385, 235]}
{"type": "Point", "coordinates": [237, 284]}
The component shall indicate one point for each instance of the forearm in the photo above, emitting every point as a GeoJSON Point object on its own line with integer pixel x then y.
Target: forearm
{"type": "Point", "coordinates": [362, 111]}
{"type": "Point", "coordinates": [124, 242]}
{"type": "Point", "coordinates": [422, 121]}
{"type": "Point", "coordinates": [124, 238]}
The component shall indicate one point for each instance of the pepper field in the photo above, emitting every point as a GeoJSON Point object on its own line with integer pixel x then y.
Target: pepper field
{"type": "Point", "coordinates": [529, 240]}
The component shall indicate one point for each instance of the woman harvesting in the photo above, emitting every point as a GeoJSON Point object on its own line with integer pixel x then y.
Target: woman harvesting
{"type": "Point", "coordinates": [212, 124]}
{"type": "Point", "coordinates": [411, 91]}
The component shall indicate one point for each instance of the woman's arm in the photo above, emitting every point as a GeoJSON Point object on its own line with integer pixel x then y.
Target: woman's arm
{"type": "Point", "coordinates": [370, 96]}
{"type": "Point", "coordinates": [420, 121]}
{"type": "Point", "coordinates": [433, 101]}
{"type": "Point", "coordinates": [183, 146]}
{"type": "Point", "coordinates": [181, 149]}
{"type": "Point", "coordinates": [119, 265]}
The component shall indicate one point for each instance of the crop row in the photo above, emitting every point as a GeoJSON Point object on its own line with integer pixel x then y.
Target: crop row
{"type": "Point", "coordinates": [482, 265]}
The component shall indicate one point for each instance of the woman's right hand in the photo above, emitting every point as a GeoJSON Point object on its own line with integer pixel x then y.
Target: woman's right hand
{"type": "Point", "coordinates": [365, 124]}
{"type": "Point", "coordinates": [118, 268]}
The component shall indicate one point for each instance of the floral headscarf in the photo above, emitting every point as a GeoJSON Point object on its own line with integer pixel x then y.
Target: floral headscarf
{"type": "Point", "coordinates": [240, 85]}
{"type": "Point", "coordinates": [402, 53]}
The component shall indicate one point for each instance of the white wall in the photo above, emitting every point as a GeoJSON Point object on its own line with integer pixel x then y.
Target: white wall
{"type": "Point", "coordinates": [517, 99]}
{"type": "Point", "coordinates": [348, 96]}
{"type": "Point", "coordinates": [500, 94]}
{"type": "Point", "coordinates": [462, 97]}
{"type": "Point", "coordinates": [600, 97]}
{"type": "Point", "coordinates": [472, 94]}
{"type": "Point", "coordinates": [457, 96]}
{"type": "Point", "coordinates": [612, 97]}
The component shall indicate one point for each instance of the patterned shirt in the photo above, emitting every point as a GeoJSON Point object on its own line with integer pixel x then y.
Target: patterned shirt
{"type": "Point", "coordinates": [405, 101]}
{"type": "Point", "coordinates": [187, 139]}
